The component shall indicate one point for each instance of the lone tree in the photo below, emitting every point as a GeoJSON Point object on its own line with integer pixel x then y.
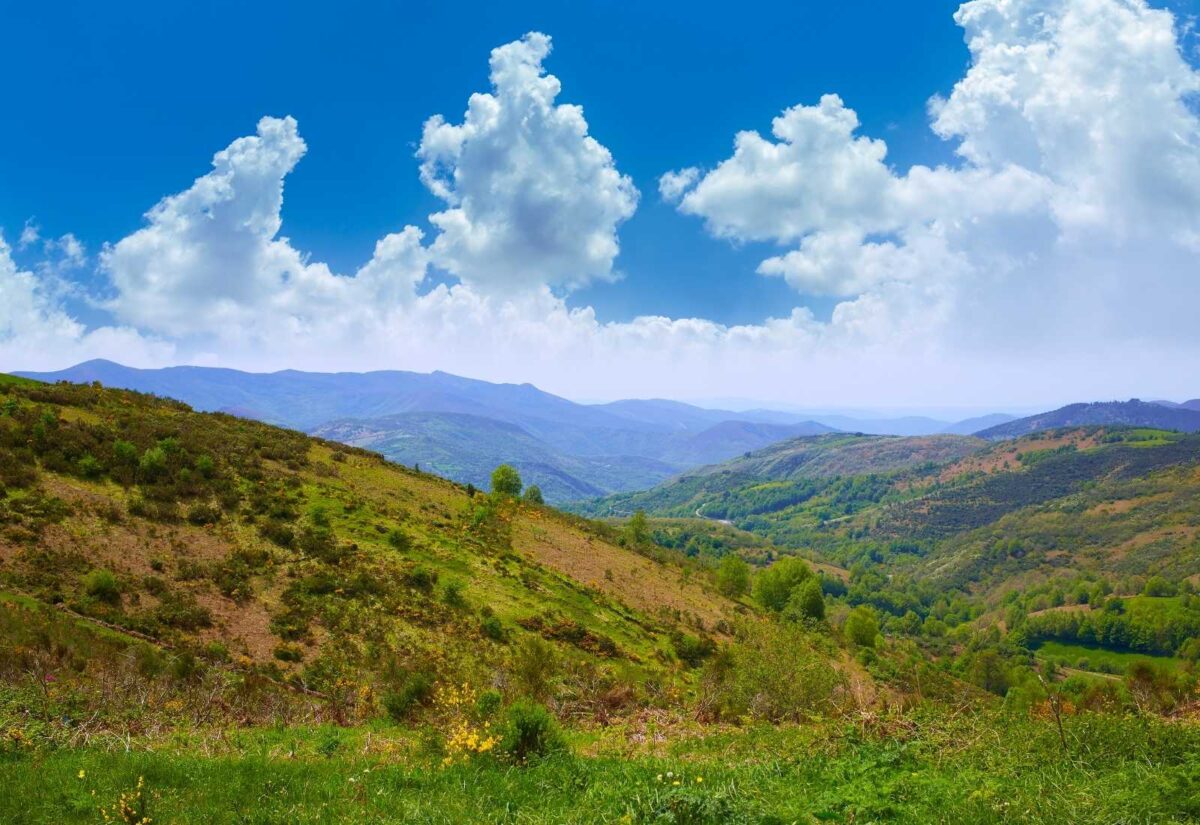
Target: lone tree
{"type": "Point", "coordinates": [733, 576]}
{"type": "Point", "coordinates": [806, 602]}
{"type": "Point", "coordinates": [637, 529]}
{"type": "Point", "coordinates": [506, 481]}
{"type": "Point", "coordinates": [533, 494]}
{"type": "Point", "coordinates": [862, 627]}
{"type": "Point", "coordinates": [773, 586]}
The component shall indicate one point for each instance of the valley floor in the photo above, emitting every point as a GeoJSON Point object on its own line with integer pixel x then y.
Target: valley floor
{"type": "Point", "coordinates": [940, 768]}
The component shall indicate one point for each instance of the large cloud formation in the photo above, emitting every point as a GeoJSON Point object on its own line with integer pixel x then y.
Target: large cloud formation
{"type": "Point", "coordinates": [1068, 227]}
{"type": "Point", "coordinates": [533, 199]}
{"type": "Point", "coordinates": [1074, 211]}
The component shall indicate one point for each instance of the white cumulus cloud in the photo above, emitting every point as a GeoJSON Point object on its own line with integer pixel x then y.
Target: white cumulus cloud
{"type": "Point", "coordinates": [37, 333]}
{"type": "Point", "coordinates": [1068, 227]}
{"type": "Point", "coordinates": [1075, 208]}
{"type": "Point", "coordinates": [211, 263]}
{"type": "Point", "coordinates": [531, 197]}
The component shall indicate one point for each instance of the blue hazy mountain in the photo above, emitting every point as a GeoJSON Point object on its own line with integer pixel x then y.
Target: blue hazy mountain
{"type": "Point", "coordinates": [459, 427]}
{"type": "Point", "coordinates": [1132, 413]}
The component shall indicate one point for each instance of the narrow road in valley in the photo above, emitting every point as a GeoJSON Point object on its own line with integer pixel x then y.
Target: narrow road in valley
{"type": "Point", "coordinates": [710, 518]}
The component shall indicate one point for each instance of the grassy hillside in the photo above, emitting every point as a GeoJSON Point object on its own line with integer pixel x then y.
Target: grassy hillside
{"type": "Point", "coordinates": [784, 475]}
{"type": "Point", "coordinates": [207, 619]}
{"type": "Point", "coordinates": [309, 562]}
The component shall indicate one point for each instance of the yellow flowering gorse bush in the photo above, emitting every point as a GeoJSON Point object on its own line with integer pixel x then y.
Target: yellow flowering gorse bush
{"type": "Point", "coordinates": [465, 738]}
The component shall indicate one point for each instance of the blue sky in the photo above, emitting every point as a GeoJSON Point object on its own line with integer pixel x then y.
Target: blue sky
{"type": "Point", "coordinates": [122, 103]}
{"type": "Point", "coordinates": [1038, 194]}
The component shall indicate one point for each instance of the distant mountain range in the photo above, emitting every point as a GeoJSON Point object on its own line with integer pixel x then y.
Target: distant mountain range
{"type": "Point", "coordinates": [1194, 404]}
{"type": "Point", "coordinates": [462, 428]}
{"type": "Point", "coordinates": [1133, 413]}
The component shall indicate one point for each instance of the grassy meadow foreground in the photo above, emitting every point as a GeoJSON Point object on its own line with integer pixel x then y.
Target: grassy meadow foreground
{"type": "Point", "coordinates": [207, 619]}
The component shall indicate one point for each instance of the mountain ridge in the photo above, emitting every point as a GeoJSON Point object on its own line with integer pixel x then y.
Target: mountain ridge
{"type": "Point", "coordinates": [1132, 413]}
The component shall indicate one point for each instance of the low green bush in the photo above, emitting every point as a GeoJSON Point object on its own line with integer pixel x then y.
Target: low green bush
{"type": "Point", "coordinates": [529, 732]}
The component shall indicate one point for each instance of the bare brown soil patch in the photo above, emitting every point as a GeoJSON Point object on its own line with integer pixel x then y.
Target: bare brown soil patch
{"type": "Point", "coordinates": [618, 573]}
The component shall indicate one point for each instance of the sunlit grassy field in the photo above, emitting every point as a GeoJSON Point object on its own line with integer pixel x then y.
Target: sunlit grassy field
{"type": "Point", "coordinates": [1098, 659]}
{"type": "Point", "coordinates": [918, 769]}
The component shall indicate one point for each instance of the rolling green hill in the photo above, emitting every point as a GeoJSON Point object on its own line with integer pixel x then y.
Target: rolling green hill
{"type": "Point", "coordinates": [966, 516]}
{"type": "Point", "coordinates": [208, 619]}
{"type": "Point", "coordinates": [785, 475]}
{"type": "Point", "coordinates": [310, 562]}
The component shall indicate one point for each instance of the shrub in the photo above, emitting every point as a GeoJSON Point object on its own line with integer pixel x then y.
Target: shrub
{"type": "Point", "coordinates": [414, 691]}
{"type": "Point", "coordinates": [181, 611]}
{"type": "Point", "coordinates": [533, 494]}
{"type": "Point", "coordinates": [398, 540]}
{"type": "Point", "coordinates": [506, 481]}
{"type": "Point", "coordinates": [1158, 586]}
{"type": "Point", "coordinates": [806, 603]}
{"type": "Point", "coordinates": [125, 453]}
{"type": "Point", "coordinates": [533, 668]}
{"type": "Point", "coordinates": [421, 578]}
{"type": "Point", "coordinates": [277, 532]}
{"type": "Point", "coordinates": [529, 732]}
{"type": "Point", "coordinates": [201, 514]}
{"type": "Point", "coordinates": [692, 650]}
{"type": "Point", "coordinates": [776, 672]}
{"type": "Point", "coordinates": [152, 465]}
{"type": "Point", "coordinates": [205, 466]}
{"type": "Point", "coordinates": [491, 627]}
{"type": "Point", "coordinates": [487, 704]}
{"type": "Point", "coordinates": [773, 586]}
{"type": "Point", "coordinates": [288, 652]}
{"type": "Point", "coordinates": [733, 577]}
{"type": "Point", "coordinates": [452, 594]}
{"type": "Point", "coordinates": [862, 627]}
{"type": "Point", "coordinates": [102, 585]}
{"type": "Point", "coordinates": [89, 467]}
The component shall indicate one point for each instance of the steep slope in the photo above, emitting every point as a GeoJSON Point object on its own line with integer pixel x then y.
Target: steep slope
{"type": "Point", "coordinates": [1111, 502]}
{"type": "Point", "coordinates": [306, 561]}
{"type": "Point", "coordinates": [1133, 413]}
{"type": "Point", "coordinates": [844, 455]}
{"type": "Point", "coordinates": [466, 448]}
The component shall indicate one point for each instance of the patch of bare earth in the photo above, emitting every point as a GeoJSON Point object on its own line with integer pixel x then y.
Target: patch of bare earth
{"type": "Point", "coordinates": [1007, 456]}
{"type": "Point", "coordinates": [618, 573]}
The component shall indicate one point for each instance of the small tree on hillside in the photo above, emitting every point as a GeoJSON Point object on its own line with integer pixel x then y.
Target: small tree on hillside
{"type": "Point", "coordinates": [637, 529]}
{"type": "Point", "coordinates": [533, 494]}
{"type": "Point", "coordinates": [733, 576]}
{"type": "Point", "coordinates": [506, 481]}
{"type": "Point", "coordinates": [806, 602]}
{"type": "Point", "coordinates": [862, 627]}
{"type": "Point", "coordinates": [773, 586]}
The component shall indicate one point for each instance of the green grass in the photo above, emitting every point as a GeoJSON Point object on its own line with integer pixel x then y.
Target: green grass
{"type": "Point", "coordinates": [1098, 659]}
{"type": "Point", "coordinates": [925, 771]}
